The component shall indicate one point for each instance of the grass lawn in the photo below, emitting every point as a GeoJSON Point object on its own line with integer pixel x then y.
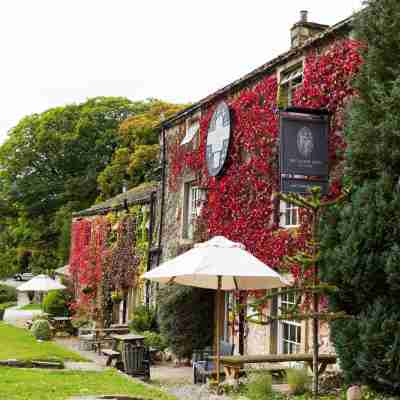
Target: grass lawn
{"type": "Point", "coordinates": [31, 307]}
{"type": "Point", "coordinates": [18, 343]}
{"type": "Point", "coordinates": [26, 384]}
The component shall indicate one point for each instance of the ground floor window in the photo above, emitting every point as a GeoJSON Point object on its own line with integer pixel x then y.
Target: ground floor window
{"type": "Point", "coordinates": [289, 331]}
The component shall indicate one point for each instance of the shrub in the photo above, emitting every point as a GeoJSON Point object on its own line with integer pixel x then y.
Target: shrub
{"type": "Point", "coordinates": [186, 318]}
{"type": "Point", "coordinates": [40, 316]}
{"type": "Point", "coordinates": [259, 386]}
{"type": "Point", "coordinates": [7, 294]}
{"type": "Point", "coordinates": [3, 307]}
{"type": "Point", "coordinates": [144, 319]}
{"type": "Point", "coordinates": [41, 329]}
{"type": "Point", "coordinates": [154, 339]}
{"type": "Point", "coordinates": [56, 303]}
{"type": "Point", "coordinates": [298, 380]}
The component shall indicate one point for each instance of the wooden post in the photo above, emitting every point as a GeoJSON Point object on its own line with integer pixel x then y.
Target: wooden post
{"type": "Point", "coordinates": [241, 323]}
{"type": "Point", "coordinates": [315, 305]}
{"type": "Point", "coordinates": [218, 326]}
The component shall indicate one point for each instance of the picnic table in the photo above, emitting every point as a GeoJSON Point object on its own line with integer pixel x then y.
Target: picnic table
{"type": "Point", "coordinates": [131, 338]}
{"type": "Point", "coordinates": [104, 335]}
{"type": "Point", "coordinates": [234, 364]}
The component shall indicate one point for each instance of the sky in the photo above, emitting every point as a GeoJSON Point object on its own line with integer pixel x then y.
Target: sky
{"type": "Point", "coordinates": [56, 52]}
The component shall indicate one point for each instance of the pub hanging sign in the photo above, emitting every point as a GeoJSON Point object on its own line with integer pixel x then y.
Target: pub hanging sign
{"type": "Point", "coordinates": [303, 150]}
{"type": "Point", "coordinates": [218, 136]}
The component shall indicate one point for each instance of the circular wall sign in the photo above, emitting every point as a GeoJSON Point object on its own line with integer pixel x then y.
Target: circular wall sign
{"type": "Point", "coordinates": [219, 132]}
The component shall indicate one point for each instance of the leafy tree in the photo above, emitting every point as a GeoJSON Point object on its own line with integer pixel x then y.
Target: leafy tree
{"type": "Point", "coordinates": [136, 159]}
{"type": "Point", "coordinates": [53, 158]}
{"type": "Point", "coordinates": [360, 242]}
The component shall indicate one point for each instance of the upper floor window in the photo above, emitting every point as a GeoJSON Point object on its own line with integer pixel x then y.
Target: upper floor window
{"type": "Point", "coordinates": [289, 215]}
{"type": "Point", "coordinates": [290, 80]}
{"type": "Point", "coordinates": [193, 198]}
{"type": "Point", "coordinates": [192, 133]}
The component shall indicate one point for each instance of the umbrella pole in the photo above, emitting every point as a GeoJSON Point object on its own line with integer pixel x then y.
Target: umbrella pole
{"type": "Point", "coordinates": [218, 326]}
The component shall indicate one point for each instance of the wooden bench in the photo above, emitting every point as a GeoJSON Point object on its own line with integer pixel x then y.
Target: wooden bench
{"type": "Point", "coordinates": [111, 355]}
{"type": "Point", "coordinates": [234, 364]}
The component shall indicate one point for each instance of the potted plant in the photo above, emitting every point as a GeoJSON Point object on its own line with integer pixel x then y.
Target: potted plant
{"type": "Point", "coordinates": [116, 297]}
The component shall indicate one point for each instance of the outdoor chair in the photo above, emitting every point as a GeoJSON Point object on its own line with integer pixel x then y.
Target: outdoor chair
{"type": "Point", "coordinates": [87, 336]}
{"type": "Point", "coordinates": [136, 361]}
{"type": "Point", "coordinates": [204, 365]}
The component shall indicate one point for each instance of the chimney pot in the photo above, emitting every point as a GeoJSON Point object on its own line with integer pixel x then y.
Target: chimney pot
{"type": "Point", "coordinates": [303, 16]}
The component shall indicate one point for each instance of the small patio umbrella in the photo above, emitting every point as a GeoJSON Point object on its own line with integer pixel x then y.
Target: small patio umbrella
{"type": "Point", "coordinates": [40, 283]}
{"type": "Point", "coordinates": [217, 264]}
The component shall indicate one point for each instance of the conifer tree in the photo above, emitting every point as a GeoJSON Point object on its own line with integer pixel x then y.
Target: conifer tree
{"type": "Point", "coordinates": [360, 242]}
{"type": "Point", "coordinates": [372, 129]}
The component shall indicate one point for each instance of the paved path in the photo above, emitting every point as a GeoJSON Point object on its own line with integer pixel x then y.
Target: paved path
{"type": "Point", "coordinates": [98, 362]}
{"type": "Point", "coordinates": [83, 366]}
{"type": "Point", "coordinates": [17, 317]}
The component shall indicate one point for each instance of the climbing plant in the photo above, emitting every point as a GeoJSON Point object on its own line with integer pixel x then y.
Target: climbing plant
{"type": "Point", "coordinates": [241, 204]}
{"type": "Point", "coordinates": [108, 253]}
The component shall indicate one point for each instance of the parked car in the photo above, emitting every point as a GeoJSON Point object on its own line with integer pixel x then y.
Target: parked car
{"type": "Point", "coordinates": [25, 276]}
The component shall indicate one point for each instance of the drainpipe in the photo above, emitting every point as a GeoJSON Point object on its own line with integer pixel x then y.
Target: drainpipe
{"type": "Point", "coordinates": [163, 167]}
{"type": "Point", "coordinates": [151, 228]}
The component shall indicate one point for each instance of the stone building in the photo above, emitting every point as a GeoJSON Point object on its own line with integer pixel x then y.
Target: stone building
{"type": "Point", "coordinates": [239, 202]}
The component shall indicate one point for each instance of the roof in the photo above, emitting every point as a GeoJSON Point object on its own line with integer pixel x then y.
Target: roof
{"type": "Point", "coordinates": [138, 195]}
{"type": "Point", "coordinates": [341, 26]}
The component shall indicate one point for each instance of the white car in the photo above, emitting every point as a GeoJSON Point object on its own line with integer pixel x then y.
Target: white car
{"type": "Point", "coordinates": [25, 276]}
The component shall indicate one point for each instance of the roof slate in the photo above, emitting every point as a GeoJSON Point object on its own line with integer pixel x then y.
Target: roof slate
{"type": "Point", "coordinates": [137, 195]}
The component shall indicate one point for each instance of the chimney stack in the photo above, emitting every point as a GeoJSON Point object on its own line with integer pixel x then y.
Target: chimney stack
{"type": "Point", "coordinates": [303, 16]}
{"type": "Point", "coordinates": [304, 30]}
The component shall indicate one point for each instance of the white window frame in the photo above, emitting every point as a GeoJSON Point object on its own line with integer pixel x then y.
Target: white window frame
{"type": "Point", "coordinates": [289, 78]}
{"type": "Point", "coordinates": [192, 133]}
{"type": "Point", "coordinates": [193, 198]}
{"type": "Point", "coordinates": [292, 325]}
{"type": "Point", "coordinates": [289, 215]}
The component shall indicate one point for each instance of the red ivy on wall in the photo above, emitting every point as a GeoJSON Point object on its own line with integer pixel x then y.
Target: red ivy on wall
{"type": "Point", "coordinates": [79, 261]}
{"type": "Point", "coordinates": [240, 204]}
{"type": "Point", "coordinates": [102, 254]}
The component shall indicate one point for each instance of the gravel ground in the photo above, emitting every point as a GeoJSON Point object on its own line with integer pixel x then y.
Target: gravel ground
{"type": "Point", "coordinates": [193, 392]}
{"type": "Point", "coordinates": [174, 380]}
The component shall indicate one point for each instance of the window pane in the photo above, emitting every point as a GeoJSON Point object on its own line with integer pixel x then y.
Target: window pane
{"type": "Point", "coordinates": [292, 333]}
{"type": "Point", "coordinates": [285, 348]}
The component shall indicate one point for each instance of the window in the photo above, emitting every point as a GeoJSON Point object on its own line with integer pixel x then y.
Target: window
{"type": "Point", "coordinates": [192, 134]}
{"type": "Point", "coordinates": [289, 331]}
{"type": "Point", "coordinates": [289, 215]}
{"type": "Point", "coordinates": [290, 80]}
{"type": "Point", "coordinates": [193, 201]}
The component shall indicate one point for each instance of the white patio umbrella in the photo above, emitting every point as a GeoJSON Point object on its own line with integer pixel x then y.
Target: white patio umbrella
{"type": "Point", "coordinates": [40, 283]}
{"type": "Point", "coordinates": [218, 264]}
